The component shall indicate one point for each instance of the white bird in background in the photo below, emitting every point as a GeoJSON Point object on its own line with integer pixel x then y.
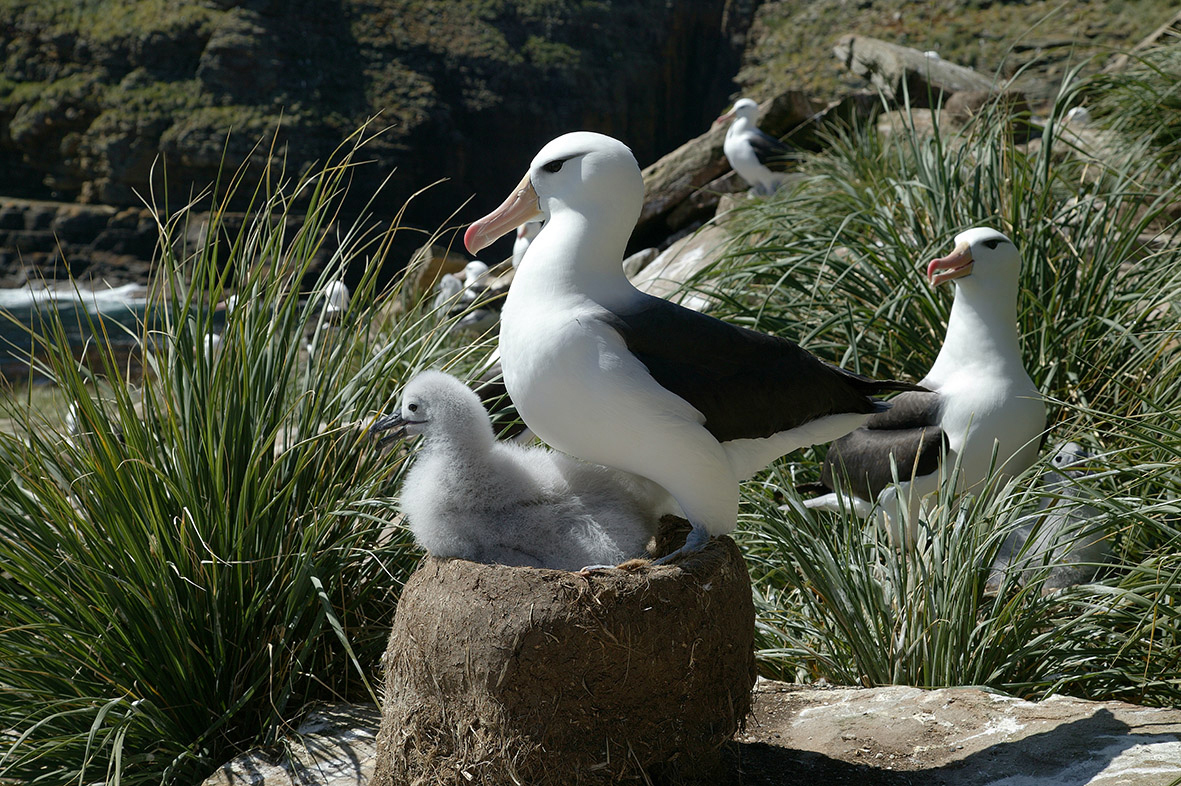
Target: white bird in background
{"type": "Point", "coordinates": [611, 375]}
{"type": "Point", "coordinates": [475, 280]}
{"type": "Point", "coordinates": [469, 496]}
{"type": "Point", "coordinates": [525, 234]}
{"type": "Point", "coordinates": [981, 400]}
{"type": "Point", "coordinates": [480, 299]}
{"type": "Point", "coordinates": [1065, 533]}
{"type": "Point", "coordinates": [212, 347]}
{"type": "Point", "coordinates": [752, 152]}
{"type": "Point", "coordinates": [447, 291]}
{"type": "Point", "coordinates": [336, 301]}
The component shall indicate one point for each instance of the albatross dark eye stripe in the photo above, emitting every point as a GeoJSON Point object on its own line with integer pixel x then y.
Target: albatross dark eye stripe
{"type": "Point", "coordinates": [555, 165]}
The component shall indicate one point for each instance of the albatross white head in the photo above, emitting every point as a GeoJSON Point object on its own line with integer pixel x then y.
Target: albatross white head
{"type": "Point", "coordinates": [743, 109]}
{"type": "Point", "coordinates": [986, 256]}
{"type": "Point", "coordinates": [578, 184]}
{"type": "Point", "coordinates": [985, 267]}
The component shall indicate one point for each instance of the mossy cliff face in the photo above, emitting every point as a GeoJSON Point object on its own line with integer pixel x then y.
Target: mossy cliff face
{"type": "Point", "coordinates": [92, 93]}
{"type": "Point", "coordinates": [1037, 42]}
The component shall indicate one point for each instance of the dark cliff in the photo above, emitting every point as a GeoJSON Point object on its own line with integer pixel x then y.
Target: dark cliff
{"type": "Point", "coordinates": [91, 94]}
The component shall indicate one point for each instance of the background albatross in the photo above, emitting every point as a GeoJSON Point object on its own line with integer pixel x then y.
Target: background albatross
{"type": "Point", "coordinates": [614, 376]}
{"type": "Point", "coordinates": [751, 151]}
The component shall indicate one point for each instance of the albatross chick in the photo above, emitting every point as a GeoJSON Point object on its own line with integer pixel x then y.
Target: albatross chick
{"type": "Point", "coordinates": [469, 496]}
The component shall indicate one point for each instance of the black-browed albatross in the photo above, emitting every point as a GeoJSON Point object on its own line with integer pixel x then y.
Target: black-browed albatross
{"type": "Point", "coordinates": [752, 152]}
{"type": "Point", "coordinates": [981, 399]}
{"type": "Point", "coordinates": [614, 376]}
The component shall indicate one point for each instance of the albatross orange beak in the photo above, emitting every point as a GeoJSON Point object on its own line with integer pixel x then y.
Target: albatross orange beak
{"type": "Point", "coordinates": [957, 264]}
{"type": "Point", "coordinates": [521, 206]}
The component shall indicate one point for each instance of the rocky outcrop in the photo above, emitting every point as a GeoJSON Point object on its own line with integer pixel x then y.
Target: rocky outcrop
{"type": "Point", "coordinates": [47, 241]}
{"type": "Point", "coordinates": [955, 737]}
{"type": "Point", "coordinates": [895, 736]}
{"type": "Point", "coordinates": [897, 70]}
{"type": "Point", "coordinates": [332, 746]}
{"type": "Point", "coordinates": [89, 102]}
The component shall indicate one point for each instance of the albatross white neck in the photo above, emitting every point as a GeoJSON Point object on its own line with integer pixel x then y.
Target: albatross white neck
{"type": "Point", "coordinates": [981, 331]}
{"type": "Point", "coordinates": [577, 254]}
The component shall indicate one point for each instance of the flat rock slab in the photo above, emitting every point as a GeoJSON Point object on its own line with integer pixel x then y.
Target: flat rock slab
{"type": "Point", "coordinates": [333, 746]}
{"type": "Point", "coordinates": [799, 735]}
{"type": "Point", "coordinates": [954, 736]}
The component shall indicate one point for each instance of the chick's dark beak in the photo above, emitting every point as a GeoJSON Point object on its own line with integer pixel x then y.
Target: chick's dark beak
{"type": "Point", "coordinates": [393, 423]}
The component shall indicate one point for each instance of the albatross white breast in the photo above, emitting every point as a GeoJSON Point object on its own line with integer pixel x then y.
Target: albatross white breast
{"type": "Point", "coordinates": [981, 399]}
{"type": "Point", "coordinates": [611, 375]}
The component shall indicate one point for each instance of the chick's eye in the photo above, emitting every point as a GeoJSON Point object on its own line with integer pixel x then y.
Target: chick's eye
{"type": "Point", "coordinates": [992, 243]}
{"type": "Point", "coordinates": [554, 166]}
{"type": "Point", "coordinates": [412, 407]}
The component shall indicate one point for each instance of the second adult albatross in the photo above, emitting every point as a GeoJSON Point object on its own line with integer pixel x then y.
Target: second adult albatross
{"type": "Point", "coordinates": [983, 411]}
{"type": "Point", "coordinates": [614, 376]}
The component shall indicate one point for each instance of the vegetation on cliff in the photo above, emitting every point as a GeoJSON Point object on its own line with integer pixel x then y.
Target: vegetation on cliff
{"type": "Point", "coordinates": [92, 93]}
{"type": "Point", "coordinates": [1042, 39]}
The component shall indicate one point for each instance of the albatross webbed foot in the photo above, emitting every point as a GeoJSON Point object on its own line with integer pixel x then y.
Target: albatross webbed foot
{"type": "Point", "coordinates": [695, 541]}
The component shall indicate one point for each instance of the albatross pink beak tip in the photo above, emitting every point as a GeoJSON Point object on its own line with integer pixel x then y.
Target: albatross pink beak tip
{"type": "Point", "coordinates": [472, 238]}
{"type": "Point", "coordinates": [932, 266]}
{"type": "Point", "coordinates": [955, 265]}
{"type": "Point", "coordinates": [520, 207]}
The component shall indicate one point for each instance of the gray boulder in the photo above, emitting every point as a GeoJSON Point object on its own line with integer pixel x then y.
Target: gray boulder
{"type": "Point", "coordinates": [892, 68]}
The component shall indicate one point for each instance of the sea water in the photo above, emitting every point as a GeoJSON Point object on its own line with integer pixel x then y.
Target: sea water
{"type": "Point", "coordinates": [120, 313]}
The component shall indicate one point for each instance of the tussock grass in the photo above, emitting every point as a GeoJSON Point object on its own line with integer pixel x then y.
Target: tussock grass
{"type": "Point", "coordinates": [209, 550]}
{"type": "Point", "coordinates": [1142, 102]}
{"type": "Point", "coordinates": [837, 263]}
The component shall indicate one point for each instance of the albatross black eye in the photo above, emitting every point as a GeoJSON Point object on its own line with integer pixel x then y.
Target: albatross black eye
{"type": "Point", "coordinates": [996, 241]}
{"type": "Point", "coordinates": [555, 165]}
{"type": "Point", "coordinates": [412, 407]}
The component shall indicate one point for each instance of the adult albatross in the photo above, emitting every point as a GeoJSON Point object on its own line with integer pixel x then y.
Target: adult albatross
{"type": "Point", "coordinates": [751, 151]}
{"type": "Point", "coordinates": [614, 376]}
{"type": "Point", "coordinates": [983, 411]}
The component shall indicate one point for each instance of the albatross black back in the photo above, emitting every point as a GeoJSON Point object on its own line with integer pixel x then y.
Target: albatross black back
{"type": "Point", "coordinates": [747, 384]}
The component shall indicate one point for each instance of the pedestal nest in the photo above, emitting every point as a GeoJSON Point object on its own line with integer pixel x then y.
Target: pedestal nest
{"type": "Point", "coordinates": [499, 675]}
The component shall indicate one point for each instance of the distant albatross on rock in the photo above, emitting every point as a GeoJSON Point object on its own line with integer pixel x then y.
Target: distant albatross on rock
{"type": "Point", "coordinates": [469, 496]}
{"type": "Point", "coordinates": [614, 376]}
{"type": "Point", "coordinates": [750, 151]}
{"type": "Point", "coordinates": [981, 399]}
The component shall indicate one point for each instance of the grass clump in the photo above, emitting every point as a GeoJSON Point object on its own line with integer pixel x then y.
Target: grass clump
{"type": "Point", "coordinates": [201, 555]}
{"type": "Point", "coordinates": [837, 263]}
{"type": "Point", "coordinates": [1142, 102]}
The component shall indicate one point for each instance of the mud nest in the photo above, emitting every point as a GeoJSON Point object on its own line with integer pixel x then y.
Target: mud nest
{"type": "Point", "coordinates": [500, 675]}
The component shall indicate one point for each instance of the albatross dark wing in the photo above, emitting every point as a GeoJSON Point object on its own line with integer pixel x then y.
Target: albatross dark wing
{"type": "Point", "coordinates": [771, 152]}
{"type": "Point", "coordinates": [746, 384]}
{"type": "Point", "coordinates": [909, 431]}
